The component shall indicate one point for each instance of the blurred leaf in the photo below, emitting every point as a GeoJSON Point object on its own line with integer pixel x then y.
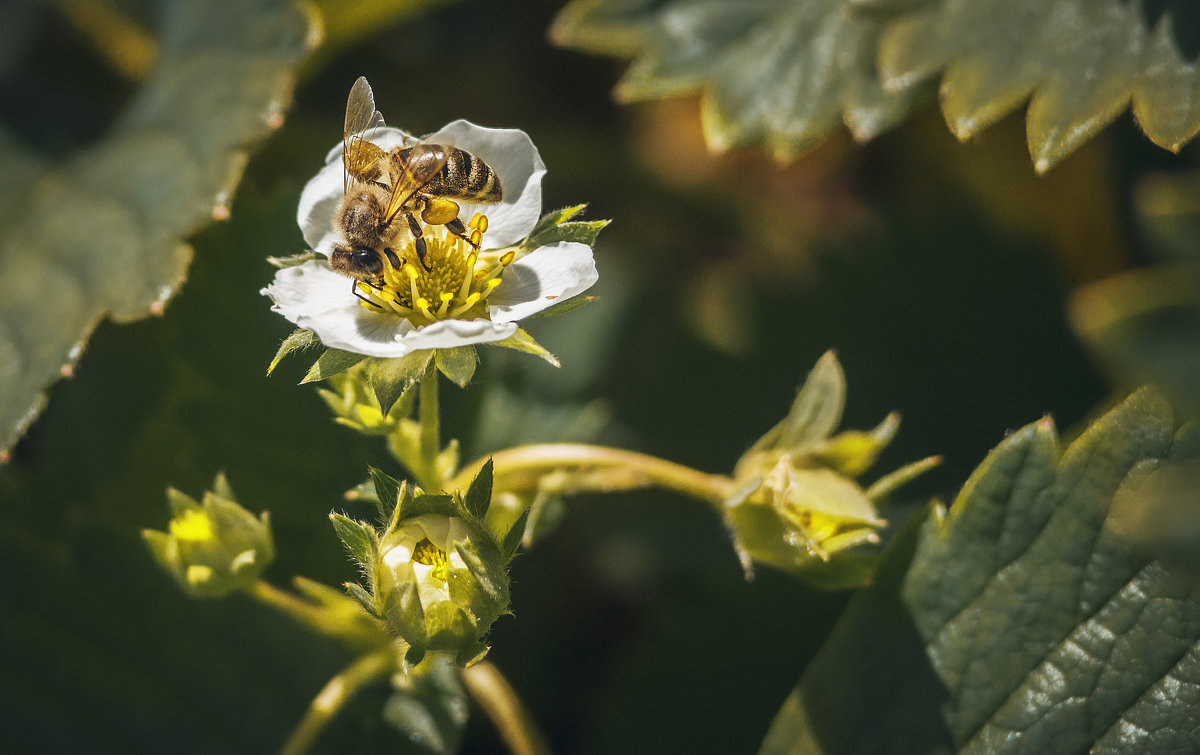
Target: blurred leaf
{"type": "Point", "coordinates": [1145, 324]}
{"type": "Point", "coordinates": [429, 705]}
{"type": "Point", "coordinates": [1079, 63]}
{"type": "Point", "coordinates": [349, 22]}
{"type": "Point", "coordinates": [780, 72]}
{"type": "Point", "coordinates": [100, 233]}
{"type": "Point", "coordinates": [786, 73]}
{"type": "Point", "coordinates": [479, 493]}
{"type": "Point", "coordinates": [1023, 623]}
{"type": "Point", "coordinates": [457, 364]}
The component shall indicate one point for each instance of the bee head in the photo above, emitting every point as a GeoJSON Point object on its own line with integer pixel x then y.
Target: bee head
{"type": "Point", "coordinates": [363, 262]}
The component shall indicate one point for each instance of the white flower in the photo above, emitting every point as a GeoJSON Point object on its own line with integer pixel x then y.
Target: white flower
{"type": "Point", "coordinates": [468, 296]}
{"type": "Point", "coordinates": [422, 551]}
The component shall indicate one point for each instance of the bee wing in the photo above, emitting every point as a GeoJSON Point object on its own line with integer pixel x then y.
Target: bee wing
{"type": "Point", "coordinates": [359, 155]}
{"type": "Point", "coordinates": [411, 169]}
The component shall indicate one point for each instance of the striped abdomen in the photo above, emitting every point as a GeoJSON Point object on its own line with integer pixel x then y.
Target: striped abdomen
{"type": "Point", "coordinates": [465, 176]}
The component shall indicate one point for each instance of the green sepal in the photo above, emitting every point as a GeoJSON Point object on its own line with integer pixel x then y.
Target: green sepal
{"type": "Point", "coordinates": [430, 503]}
{"type": "Point", "coordinates": [479, 493]}
{"type": "Point", "coordinates": [817, 410]}
{"type": "Point", "coordinates": [387, 492]}
{"type": "Point", "coordinates": [359, 538]}
{"type": "Point", "coordinates": [525, 343]}
{"type": "Point", "coordinates": [556, 217]}
{"type": "Point", "coordinates": [180, 502]}
{"type": "Point", "coordinates": [332, 362]}
{"type": "Point", "coordinates": [884, 486]}
{"type": "Point", "coordinates": [512, 540]}
{"type": "Point", "coordinates": [485, 573]}
{"type": "Point", "coordinates": [390, 378]}
{"type": "Point", "coordinates": [581, 231]}
{"type": "Point", "coordinates": [446, 624]}
{"type": "Point", "coordinates": [299, 339]}
{"type": "Point", "coordinates": [403, 614]}
{"type": "Point", "coordinates": [163, 549]}
{"type": "Point", "coordinates": [292, 260]}
{"type": "Point", "coordinates": [222, 489]}
{"type": "Point", "coordinates": [458, 364]}
{"type": "Point", "coordinates": [359, 593]}
{"type": "Point", "coordinates": [404, 501]}
{"type": "Point", "coordinates": [565, 306]}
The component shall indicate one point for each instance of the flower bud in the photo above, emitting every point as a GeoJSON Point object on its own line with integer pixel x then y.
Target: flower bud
{"type": "Point", "coordinates": [797, 505]}
{"type": "Point", "coordinates": [212, 548]}
{"type": "Point", "coordinates": [437, 572]}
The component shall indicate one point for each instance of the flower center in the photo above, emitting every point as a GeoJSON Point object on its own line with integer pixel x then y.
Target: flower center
{"type": "Point", "coordinates": [454, 279]}
{"type": "Point", "coordinates": [425, 552]}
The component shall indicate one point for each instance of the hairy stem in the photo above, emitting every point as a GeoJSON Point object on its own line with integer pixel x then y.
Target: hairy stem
{"type": "Point", "coordinates": [501, 704]}
{"type": "Point", "coordinates": [587, 468]}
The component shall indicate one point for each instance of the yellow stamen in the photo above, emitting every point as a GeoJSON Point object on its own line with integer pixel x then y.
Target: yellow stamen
{"type": "Point", "coordinates": [476, 237]}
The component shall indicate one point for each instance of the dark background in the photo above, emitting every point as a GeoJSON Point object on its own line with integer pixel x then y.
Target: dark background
{"type": "Point", "coordinates": [938, 271]}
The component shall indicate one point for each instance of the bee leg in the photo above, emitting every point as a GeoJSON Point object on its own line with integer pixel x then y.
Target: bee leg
{"type": "Point", "coordinates": [354, 289]}
{"type": "Point", "coordinates": [392, 258]}
{"type": "Point", "coordinates": [418, 239]}
{"type": "Point", "coordinates": [458, 229]}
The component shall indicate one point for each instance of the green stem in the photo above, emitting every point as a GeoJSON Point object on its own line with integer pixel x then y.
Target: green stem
{"type": "Point", "coordinates": [594, 469]}
{"type": "Point", "coordinates": [335, 694]}
{"type": "Point", "coordinates": [501, 704]}
{"type": "Point", "coordinates": [431, 443]}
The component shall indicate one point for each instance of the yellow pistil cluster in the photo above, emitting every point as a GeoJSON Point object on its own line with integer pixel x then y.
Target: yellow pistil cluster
{"type": "Point", "coordinates": [454, 279]}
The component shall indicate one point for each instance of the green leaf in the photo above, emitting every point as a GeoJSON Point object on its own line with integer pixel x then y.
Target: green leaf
{"type": "Point", "coordinates": [430, 705]}
{"type": "Point", "coordinates": [488, 573]}
{"type": "Point", "coordinates": [298, 340]}
{"type": "Point", "coordinates": [783, 73]}
{"type": "Point", "coordinates": [1079, 64]}
{"type": "Point", "coordinates": [457, 364]}
{"type": "Point", "coordinates": [359, 538]}
{"type": "Point", "coordinates": [362, 596]}
{"type": "Point", "coordinates": [390, 378]}
{"type": "Point", "coordinates": [816, 411]}
{"type": "Point", "coordinates": [1023, 622]}
{"type": "Point", "coordinates": [523, 342]}
{"type": "Point", "coordinates": [100, 234]}
{"type": "Point", "coordinates": [479, 493]}
{"type": "Point", "coordinates": [332, 362]}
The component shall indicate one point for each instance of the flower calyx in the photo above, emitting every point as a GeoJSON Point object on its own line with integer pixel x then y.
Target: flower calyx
{"type": "Point", "coordinates": [435, 573]}
{"type": "Point", "coordinates": [214, 546]}
{"type": "Point", "coordinates": [798, 505]}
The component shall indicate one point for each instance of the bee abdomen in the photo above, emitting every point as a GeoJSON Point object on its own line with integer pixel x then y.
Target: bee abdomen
{"type": "Point", "coordinates": [468, 177]}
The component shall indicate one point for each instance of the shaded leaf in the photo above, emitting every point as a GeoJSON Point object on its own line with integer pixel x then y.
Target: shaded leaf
{"type": "Point", "coordinates": [1145, 324]}
{"type": "Point", "coordinates": [1079, 63]}
{"type": "Point", "coordinates": [430, 705]}
{"type": "Point", "coordinates": [778, 72]}
{"type": "Point", "coordinates": [103, 230]}
{"type": "Point", "coordinates": [387, 492]}
{"type": "Point", "coordinates": [1023, 623]}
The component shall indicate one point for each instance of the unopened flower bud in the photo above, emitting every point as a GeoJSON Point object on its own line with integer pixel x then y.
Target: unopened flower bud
{"type": "Point", "coordinates": [214, 547]}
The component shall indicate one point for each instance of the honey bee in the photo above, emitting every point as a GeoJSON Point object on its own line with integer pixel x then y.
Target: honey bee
{"type": "Point", "coordinates": [382, 187]}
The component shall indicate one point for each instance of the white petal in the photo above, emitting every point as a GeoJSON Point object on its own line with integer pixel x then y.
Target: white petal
{"type": "Point", "coordinates": [318, 299]}
{"type": "Point", "coordinates": [510, 153]}
{"type": "Point", "coordinates": [446, 334]}
{"type": "Point", "coordinates": [542, 278]}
